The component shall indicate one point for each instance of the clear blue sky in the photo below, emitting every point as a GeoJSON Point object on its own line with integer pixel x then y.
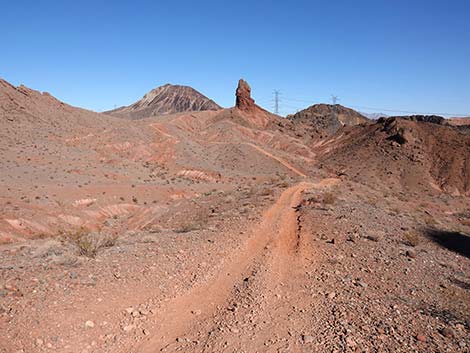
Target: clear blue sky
{"type": "Point", "coordinates": [401, 55]}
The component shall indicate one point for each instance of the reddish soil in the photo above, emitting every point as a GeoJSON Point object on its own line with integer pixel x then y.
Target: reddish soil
{"type": "Point", "coordinates": [229, 231]}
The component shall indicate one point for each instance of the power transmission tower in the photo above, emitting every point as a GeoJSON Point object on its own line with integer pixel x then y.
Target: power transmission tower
{"type": "Point", "coordinates": [276, 101]}
{"type": "Point", "coordinates": [334, 99]}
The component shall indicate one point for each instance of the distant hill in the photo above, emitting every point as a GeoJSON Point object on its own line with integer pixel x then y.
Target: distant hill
{"type": "Point", "coordinates": [460, 124]}
{"type": "Point", "coordinates": [413, 153]}
{"type": "Point", "coordinates": [459, 121]}
{"type": "Point", "coordinates": [164, 100]}
{"type": "Point", "coordinates": [326, 119]}
{"type": "Point", "coordinates": [374, 116]}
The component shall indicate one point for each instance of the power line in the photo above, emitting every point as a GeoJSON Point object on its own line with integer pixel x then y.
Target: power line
{"type": "Point", "coordinates": [276, 101]}
{"type": "Point", "coordinates": [298, 100]}
{"type": "Point", "coordinates": [334, 99]}
{"type": "Point", "coordinates": [392, 110]}
{"type": "Point", "coordinates": [405, 111]}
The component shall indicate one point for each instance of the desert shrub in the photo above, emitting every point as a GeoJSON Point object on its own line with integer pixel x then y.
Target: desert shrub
{"type": "Point", "coordinates": [329, 198]}
{"type": "Point", "coordinates": [89, 243]}
{"type": "Point", "coordinates": [267, 192]}
{"type": "Point", "coordinates": [188, 227]}
{"type": "Point", "coordinates": [152, 228]}
{"type": "Point", "coordinates": [411, 239]}
{"type": "Point", "coordinates": [108, 241]}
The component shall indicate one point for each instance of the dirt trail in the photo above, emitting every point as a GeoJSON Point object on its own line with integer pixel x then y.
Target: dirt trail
{"type": "Point", "coordinates": [156, 127]}
{"type": "Point", "coordinates": [272, 245]}
{"type": "Point", "coordinates": [266, 153]}
{"type": "Point", "coordinates": [280, 160]}
{"type": "Point", "coordinates": [283, 162]}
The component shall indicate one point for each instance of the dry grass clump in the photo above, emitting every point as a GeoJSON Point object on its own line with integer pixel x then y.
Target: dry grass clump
{"type": "Point", "coordinates": [329, 198]}
{"type": "Point", "coordinates": [197, 221]}
{"type": "Point", "coordinates": [153, 228]}
{"type": "Point", "coordinates": [188, 227]}
{"type": "Point", "coordinates": [89, 243]}
{"type": "Point", "coordinates": [267, 192]}
{"type": "Point", "coordinates": [411, 239]}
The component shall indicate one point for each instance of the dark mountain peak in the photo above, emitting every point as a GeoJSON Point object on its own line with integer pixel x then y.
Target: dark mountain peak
{"type": "Point", "coordinates": [164, 100]}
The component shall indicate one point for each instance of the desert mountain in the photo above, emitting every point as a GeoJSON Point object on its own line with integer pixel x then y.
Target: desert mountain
{"type": "Point", "coordinates": [55, 141]}
{"type": "Point", "coordinates": [374, 116]}
{"type": "Point", "coordinates": [27, 115]}
{"type": "Point", "coordinates": [461, 124]}
{"type": "Point", "coordinates": [164, 100]}
{"type": "Point", "coordinates": [411, 154]}
{"type": "Point", "coordinates": [229, 230]}
{"type": "Point", "coordinates": [327, 119]}
{"type": "Point", "coordinates": [459, 121]}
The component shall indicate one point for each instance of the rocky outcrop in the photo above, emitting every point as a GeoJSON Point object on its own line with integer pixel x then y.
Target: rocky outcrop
{"type": "Point", "coordinates": [164, 100]}
{"type": "Point", "coordinates": [327, 119]}
{"type": "Point", "coordinates": [243, 96]}
{"type": "Point", "coordinates": [433, 119]}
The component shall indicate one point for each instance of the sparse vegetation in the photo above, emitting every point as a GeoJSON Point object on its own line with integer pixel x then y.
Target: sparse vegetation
{"type": "Point", "coordinates": [411, 239]}
{"type": "Point", "coordinates": [329, 198]}
{"type": "Point", "coordinates": [267, 192]}
{"type": "Point", "coordinates": [89, 243]}
{"type": "Point", "coordinates": [153, 228]}
{"type": "Point", "coordinates": [188, 227]}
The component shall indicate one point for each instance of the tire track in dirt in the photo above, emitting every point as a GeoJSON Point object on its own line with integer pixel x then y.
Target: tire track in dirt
{"type": "Point", "coordinates": [273, 242]}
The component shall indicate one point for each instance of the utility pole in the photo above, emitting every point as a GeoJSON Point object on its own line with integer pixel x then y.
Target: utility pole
{"type": "Point", "coordinates": [276, 101]}
{"type": "Point", "coordinates": [334, 99]}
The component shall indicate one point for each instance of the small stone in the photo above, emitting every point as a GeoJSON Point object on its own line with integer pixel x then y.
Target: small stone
{"type": "Point", "coordinates": [373, 237]}
{"type": "Point", "coordinates": [361, 284]}
{"type": "Point", "coordinates": [89, 324]}
{"type": "Point", "coordinates": [421, 337]}
{"type": "Point", "coordinates": [307, 339]}
{"type": "Point", "coordinates": [128, 328]}
{"type": "Point", "coordinates": [129, 310]}
{"type": "Point", "coordinates": [145, 332]}
{"type": "Point", "coordinates": [39, 342]}
{"type": "Point", "coordinates": [447, 332]}
{"type": "Point", "coordinates": [331, 295]}
{"type": "Point", "coordinates": [350, 342]}
{"type": "Point", "coordinates": [411, 254]}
